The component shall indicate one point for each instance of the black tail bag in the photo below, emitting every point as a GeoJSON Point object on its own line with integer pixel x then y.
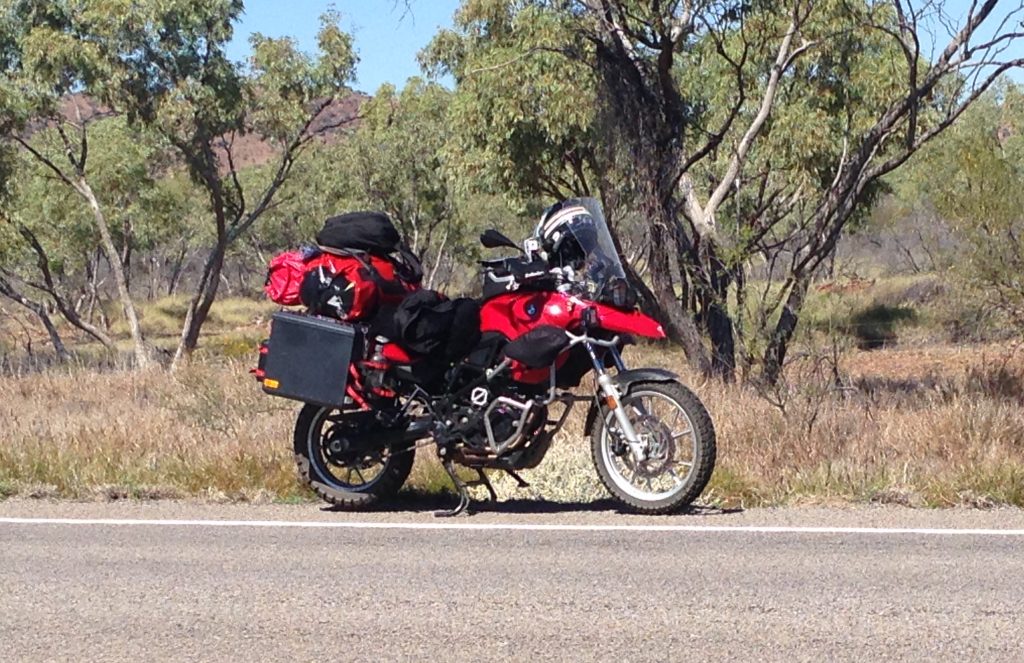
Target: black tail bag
{"type": "Point", "coordinates": [372, 232]}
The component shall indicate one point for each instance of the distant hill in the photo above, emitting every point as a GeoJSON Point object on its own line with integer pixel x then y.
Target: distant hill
{"type": "Point", "coordinates": [249, 149]}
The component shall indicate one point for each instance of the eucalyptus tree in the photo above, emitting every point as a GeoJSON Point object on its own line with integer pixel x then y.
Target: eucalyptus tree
{"type": "Point", "coordinates": [52, 250]}
{"type": "Point", "coordinates": [48, 63]}
{"type": "Point", "coordinates": [739, 130]}
{"type": "Point", "coordinates": [174, 77]}
{"type": "Point", "coordinates": [395, 162]}
{"type": "Point", "coordinates": [163, 64]}
{"type": "Point", "coordinates": [8, 239]}
{"type": "Point", "coordinates": [946, 65]}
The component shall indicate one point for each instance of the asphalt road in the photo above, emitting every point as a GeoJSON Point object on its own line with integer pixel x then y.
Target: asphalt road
{"type": "Point", "coordinates": [304, 584]}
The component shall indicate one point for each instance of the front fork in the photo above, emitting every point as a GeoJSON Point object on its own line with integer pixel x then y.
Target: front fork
{"type": "Point", "coordinates": [613, 399]}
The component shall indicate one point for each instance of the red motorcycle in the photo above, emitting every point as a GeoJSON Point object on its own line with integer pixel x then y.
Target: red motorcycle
{"type": "Point", "coordinates": [490, 382]}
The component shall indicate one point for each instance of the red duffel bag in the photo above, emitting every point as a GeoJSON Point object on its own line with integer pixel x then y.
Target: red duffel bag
{"type": "Point", "coordinates": [348, 285]}
{"type": "Point", "coordinates": [284, 277]}
{"type": "Point", "coordinates": [352, 285]}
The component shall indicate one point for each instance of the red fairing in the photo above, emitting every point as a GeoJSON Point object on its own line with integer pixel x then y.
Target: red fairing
{"type": "Point", "coordinates": [517, 313]}
{"type": "Point", "coordinates": [632, 322]}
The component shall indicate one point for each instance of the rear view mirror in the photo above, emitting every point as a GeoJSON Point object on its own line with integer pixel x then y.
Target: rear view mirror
{"type": "Point", "coordinates": [492, 239]}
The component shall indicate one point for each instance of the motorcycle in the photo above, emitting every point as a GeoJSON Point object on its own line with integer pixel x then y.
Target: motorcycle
{"type": "Point", "coordinates": [550, 316]}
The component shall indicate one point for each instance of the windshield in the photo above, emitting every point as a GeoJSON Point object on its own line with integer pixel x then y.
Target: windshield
{"type": "Point", "coordinates": [577, 236]}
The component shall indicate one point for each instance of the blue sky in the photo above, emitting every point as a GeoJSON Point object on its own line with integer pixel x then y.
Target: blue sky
{"type": "Point", "coordinates": [387, 36]}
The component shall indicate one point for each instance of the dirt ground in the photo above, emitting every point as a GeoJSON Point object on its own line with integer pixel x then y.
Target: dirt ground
{"type": "Point", "coordinates": [931, 361]}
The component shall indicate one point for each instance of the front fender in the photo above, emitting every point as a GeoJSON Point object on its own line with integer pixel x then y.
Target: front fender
{"type": "Point", "coordinates": [625, 381]}
{"type": "Point", "coordinates": [628, 322]}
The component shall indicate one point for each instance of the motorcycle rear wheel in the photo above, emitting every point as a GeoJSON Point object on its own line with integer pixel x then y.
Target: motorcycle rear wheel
{"type": "Point", "coordinates": [347, 478]}
{"type": "Point", "coordinates": [680, 439]}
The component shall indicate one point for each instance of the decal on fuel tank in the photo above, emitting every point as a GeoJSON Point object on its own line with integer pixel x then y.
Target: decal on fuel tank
{"type": "Point", "coordinates": [531, 309]}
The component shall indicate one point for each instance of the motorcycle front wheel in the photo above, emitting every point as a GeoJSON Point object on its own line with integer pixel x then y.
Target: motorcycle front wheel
{"type": "Point", "coordinates": [340, 458]}
{"type": "Point", "coordinates": [678, 440]}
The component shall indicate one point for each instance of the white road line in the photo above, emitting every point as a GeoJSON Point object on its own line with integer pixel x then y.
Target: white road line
{"type": "Point", "coordinates": [737, 529]}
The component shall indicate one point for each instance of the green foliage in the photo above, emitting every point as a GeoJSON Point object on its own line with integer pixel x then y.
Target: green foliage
{"type": "Point", "coordinates": [828, 101]}
{"type": "Point", "coordinates": [286, 82]}
{"type": "Point", "coordinates": [397, 161]}
{"type": "Point", "coordinates": [534, 116]}
{"type": "Point", "coordinates": [163, 65]}
{"type": "Point", "coordinates": [974, 177]}
{"type": "Point", "coordinates": [128, 170]}
{"type": "Point", "coordinates": [523, 115]}
{"type": "Point", "coordinates": [528, 111]}
{"type": "Point", "coordinates": [394, 160]}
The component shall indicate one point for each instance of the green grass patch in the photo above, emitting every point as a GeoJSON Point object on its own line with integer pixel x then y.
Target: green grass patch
{"type": "Point", "coordinates": [233, 346]}
{"type": "Point", "coordinates": [164, 317]}
{"type": "Point", "coordinates": [730, 488]}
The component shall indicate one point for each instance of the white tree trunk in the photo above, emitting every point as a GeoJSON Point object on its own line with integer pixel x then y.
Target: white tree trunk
{"type": "Point", "coordinates": [142, 358]}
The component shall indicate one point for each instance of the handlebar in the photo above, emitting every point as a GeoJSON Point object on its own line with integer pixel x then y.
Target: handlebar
{"type": "Point", "coordinates": [526, 271]}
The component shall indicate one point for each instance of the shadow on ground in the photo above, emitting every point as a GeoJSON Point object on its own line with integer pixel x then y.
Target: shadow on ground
{"type": "Point", "coordinates": [414, 502]}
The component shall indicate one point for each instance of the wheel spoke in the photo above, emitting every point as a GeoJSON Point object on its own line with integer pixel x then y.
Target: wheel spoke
{"type": "Point", "coordinates": [341, 468]}
{"type": "Point", "coordinates": [670, 435]}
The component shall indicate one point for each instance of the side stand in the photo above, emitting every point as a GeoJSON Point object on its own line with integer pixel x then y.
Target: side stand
{"type": "Point", "coordinates": [463, 488]}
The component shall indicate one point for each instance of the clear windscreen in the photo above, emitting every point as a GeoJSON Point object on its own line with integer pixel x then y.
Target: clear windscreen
{"type": "Point", "coordinates": [599, 264]}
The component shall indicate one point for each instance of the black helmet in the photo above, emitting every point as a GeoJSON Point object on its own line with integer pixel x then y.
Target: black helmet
{"type": "Point", "coordinates": [564, 232]}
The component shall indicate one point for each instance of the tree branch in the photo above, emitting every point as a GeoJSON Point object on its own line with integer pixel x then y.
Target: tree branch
{"type": "Point", "coordinates": [783, 60]}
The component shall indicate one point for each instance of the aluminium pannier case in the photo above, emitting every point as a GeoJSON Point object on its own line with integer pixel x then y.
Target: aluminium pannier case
{"type": "Point", "coordinates": [308, 358]}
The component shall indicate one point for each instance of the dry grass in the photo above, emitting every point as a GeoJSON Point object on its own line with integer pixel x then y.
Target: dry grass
{"type": "Point", "coordinates": [944, 438]}
{"type": "Point", "coordinates": [204, 431]}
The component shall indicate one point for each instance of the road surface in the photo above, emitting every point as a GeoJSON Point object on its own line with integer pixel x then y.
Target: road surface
{"type": "Point", "coordinates": [190, 582]}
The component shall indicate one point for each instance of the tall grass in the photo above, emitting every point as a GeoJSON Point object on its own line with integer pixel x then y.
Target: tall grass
{"type": "Point", "coordinates": [208, 431]}
{"type": "Point", "coordinates": [202, 431]}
